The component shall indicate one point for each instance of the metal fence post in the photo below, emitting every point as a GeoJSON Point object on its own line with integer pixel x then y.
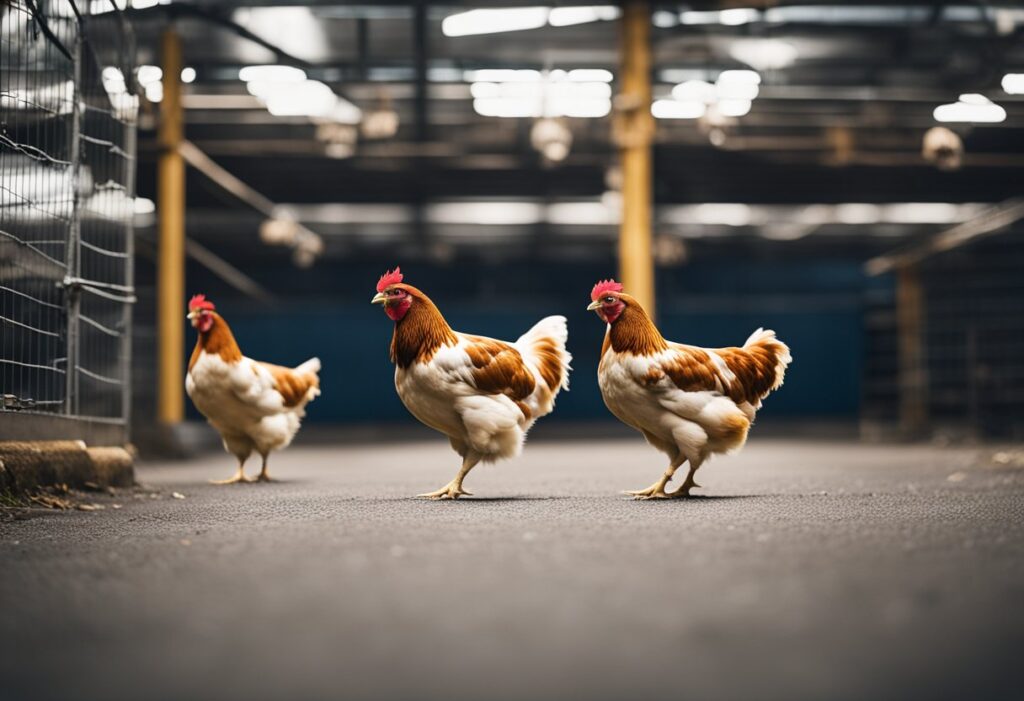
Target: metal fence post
{"type": "Point", "coordinates": [72, 296]}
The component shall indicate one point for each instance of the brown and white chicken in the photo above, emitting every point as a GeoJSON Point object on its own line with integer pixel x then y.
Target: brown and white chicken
{"type": "Point", "coordinates": [689, 402]}
{"type": "Point", "coordinates": [482, 393]}
{"type": "Point", "coordinates": [254, 406]}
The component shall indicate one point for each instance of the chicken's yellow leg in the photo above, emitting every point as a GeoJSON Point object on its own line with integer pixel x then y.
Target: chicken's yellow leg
{"type": "Point", "coordinates": [688, 483]}
{"type": "Point", "coordinates": [453, 490]}
{"type": "Point", "coordinates": [264, 475]}
{"type": "Point", "coordinates": [656, 490]}
{"type": "Point", "coordinates": [238, 478]}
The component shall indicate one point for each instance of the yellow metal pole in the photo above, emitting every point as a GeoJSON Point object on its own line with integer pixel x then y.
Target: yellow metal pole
{"type": "Point", "coordinates": [634, 133]}
{"type": "Point", "coordinates": [171, 263]}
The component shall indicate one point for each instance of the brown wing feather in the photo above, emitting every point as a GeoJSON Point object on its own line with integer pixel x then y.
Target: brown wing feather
{"type": "Point", "coordinates": [691, 370]}
{"type": "Point", "coordinates": [755, 370]}
{"type": "Point", "coordinates": [498, 368]}
{"type": "Point", "coordinates": [292, 385]}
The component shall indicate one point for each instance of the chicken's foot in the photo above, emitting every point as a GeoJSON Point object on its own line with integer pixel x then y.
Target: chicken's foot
{"type": "Point", "coordinates": [237, 479]}
{"type": "Point", "coordinates": [454, 490]}
{"type": "Point", "coordinates": [688, 484]}
{"type": "Point", "coordinates": [656, 490]}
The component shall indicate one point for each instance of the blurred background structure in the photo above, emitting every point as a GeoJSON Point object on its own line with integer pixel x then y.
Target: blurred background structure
{"type": "Point", "coordinates": [848, 174]}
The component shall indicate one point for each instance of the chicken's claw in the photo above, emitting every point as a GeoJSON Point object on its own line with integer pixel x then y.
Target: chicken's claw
{"type": "Point", "coordinates": [239, 478]}
{"type": "Point", "coordinates": [449, 491]}
{"type": "Point", "coordinates": [683, 491]}
{"type": "Point", "coordinates": [655, 491]}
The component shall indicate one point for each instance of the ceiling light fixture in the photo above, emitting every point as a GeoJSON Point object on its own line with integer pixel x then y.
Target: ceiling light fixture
{"type": "Point", "coordinates": [582, 14]}
{"type": "Point", "coordinates": [972, 108]}
{"type": "Point", "coordinates": [1013, 83]}
{"type": "Point", "coordinates": [733, 108]}
{"type": "Point", "coordinates": [272, 74]}
{"type": "Point", "coordinates": [678, 109]}
{"type": "Point", "coordinates": [764, 54]}
{"type": "Point", "coordinates": [511, 19]}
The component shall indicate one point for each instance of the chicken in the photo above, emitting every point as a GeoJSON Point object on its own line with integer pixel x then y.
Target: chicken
{"type": "Point", "coordinates": [482, 393]}
{"type": "Point", "coordinates": [253, 405]}
{"type": "Point", "coordinates": [689, 402]}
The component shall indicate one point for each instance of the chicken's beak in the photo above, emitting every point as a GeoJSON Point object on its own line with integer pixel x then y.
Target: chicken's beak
{"type": "Point", "coordinates": [593, 306]}
{"type": "Point", "coordinates": [192, 315]}
{"type": "Point", "coordinates": [379, 298]}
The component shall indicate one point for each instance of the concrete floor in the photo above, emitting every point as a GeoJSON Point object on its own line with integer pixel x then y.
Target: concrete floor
{"type": "Point", "coordinates": [806, 571]}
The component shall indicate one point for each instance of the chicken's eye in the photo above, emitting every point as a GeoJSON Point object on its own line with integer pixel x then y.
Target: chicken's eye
{"type": "Point", "coordinates": [609, 299]}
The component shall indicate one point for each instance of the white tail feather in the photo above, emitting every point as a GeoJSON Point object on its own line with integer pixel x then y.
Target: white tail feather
{"type": "Point", "coordinates": [554, 328]}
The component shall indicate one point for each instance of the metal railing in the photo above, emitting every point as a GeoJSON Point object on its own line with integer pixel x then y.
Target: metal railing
{"type": "Point", "coordinates": [67, 179]}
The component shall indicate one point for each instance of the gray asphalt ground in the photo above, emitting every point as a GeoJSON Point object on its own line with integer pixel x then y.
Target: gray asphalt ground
{"type": "Point", "coordinates": [807, 570]}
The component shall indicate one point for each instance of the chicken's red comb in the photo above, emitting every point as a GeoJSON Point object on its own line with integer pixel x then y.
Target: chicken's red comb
{"type": "Point", "coordinates": [605, 286]}
{"type": "Point", "coordinates": [389, 278]}
{"type": "Point", "coordinates": [200, 302]}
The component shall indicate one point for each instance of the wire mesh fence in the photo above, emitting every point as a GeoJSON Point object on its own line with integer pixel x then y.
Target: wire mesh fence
{"type": "Point", "coordinates": [972, 344]}
{"type": "Point", "coordinates": [67, 173]}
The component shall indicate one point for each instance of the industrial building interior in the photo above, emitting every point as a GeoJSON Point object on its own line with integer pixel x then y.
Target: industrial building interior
{"type": "Point", "coordinates": [846, 174]}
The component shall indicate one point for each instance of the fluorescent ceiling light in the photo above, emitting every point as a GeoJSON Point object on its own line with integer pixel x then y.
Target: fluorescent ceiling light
{"type": "Point", "coordinates": [663, 19]}
{"type": "Point", "coordinates": [699, 17]}
{"type": "Point", "coordinates": [590, 75]}
{"type": "Point", "coordinates": [739, 15]}
{"type": "Point", "coordinates": [678, 109]}
{"type": "Point", "coordinates": [695, 90]}
{"type": "Point", "coordinates": [586, 108]}
{"type": "Point", "coordinates": [565, 16]}
{"type": "Point", "coordinates": [763, 54]}
{"type": "Point", "coordinates": [485, 213]}
{"type": "Point", "coordinates": [857, 213]}
{"type": "Point", "coordinates": [733, 108]}
{"type": "Point", "coordinates": [526, 106]}
{"type": "Point", "coordinates": [344, 112]}
{"type": "Point", "coordinates": [738, 77]}
{"type": "Point", "coordinates": [1013, 83]}
{"type": "Point", "coordinates": [503, 75]}
{"type": "Point", "coordinates": [923, 213]}
{"type": "Point", "coordinates": [272, 74]}
{"type": "Point", "coordinates": [143, 205]}
{"type": "Point", "coordinates": [113, 80]}
{"type": "Point", "coordinates": [512, 19]}
{"type": "Point", "coordinates": [581, 214]}
{"type": "Point", "coordinates": [971, 107]}
{"type": "Point", "coordinates": [542, 99]}
{"type": "Point", "coordinates": [149, 74]}
{"type": "Point", "coordinates": [188, 74]}
{"type": "Point", "coordinates": [722, 213]}
{"type": "Point", "coordinates": [505, 107]}
{"type": "Point", "coordinates": [154, 91]}
{"type": "Point", "coordinates": [736, 91]}
{"type": "Point", "coordinates": [541, 91]}
{"type": "Point", "coordinates": [309, 98]}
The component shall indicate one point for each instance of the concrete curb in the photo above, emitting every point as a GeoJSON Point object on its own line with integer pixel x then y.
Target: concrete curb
{"type": "Point", "coordinates": [28, 465]}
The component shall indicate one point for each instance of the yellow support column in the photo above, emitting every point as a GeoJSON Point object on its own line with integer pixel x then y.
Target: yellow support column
{"type": "Point", "coordinates": [634, 133]}
{"type": "Point", "coordinates": [171, 261]}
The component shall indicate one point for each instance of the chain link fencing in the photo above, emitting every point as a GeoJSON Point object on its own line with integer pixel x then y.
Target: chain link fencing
{"type": "Point", "coordinates": [67, 172]}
